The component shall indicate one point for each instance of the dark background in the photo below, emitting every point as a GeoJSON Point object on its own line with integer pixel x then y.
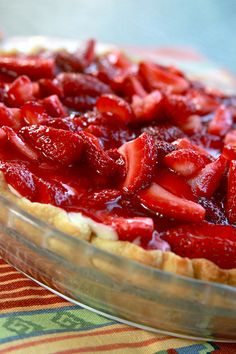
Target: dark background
{"type": "Point", "coordinates": [206, 25]}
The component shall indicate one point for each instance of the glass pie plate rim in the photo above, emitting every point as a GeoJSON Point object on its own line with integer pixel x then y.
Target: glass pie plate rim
{"type": "Point", "coordinates": [199, 285]}
{"type": "Point", "coordinates": [118, 258]}
{"type": "Point", "coordinates": [206, 287]}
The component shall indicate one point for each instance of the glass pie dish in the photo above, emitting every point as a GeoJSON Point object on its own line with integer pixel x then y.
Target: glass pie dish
{"type": "Point", "coordinates": [114, 286]}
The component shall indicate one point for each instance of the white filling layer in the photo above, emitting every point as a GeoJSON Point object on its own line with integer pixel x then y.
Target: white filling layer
{"type": "Point", "coordinates": [100, 230]}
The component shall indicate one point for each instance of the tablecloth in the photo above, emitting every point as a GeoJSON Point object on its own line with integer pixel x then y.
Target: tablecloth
{"type": "Point", "coordinates": [35, 321]}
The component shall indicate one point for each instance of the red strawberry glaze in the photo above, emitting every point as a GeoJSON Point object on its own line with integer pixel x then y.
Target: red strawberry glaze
{"type": "Point", "coordinates": [138, 147]}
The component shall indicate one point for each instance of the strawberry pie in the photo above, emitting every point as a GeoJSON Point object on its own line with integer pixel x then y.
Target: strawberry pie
{"type": "Point", "coordinates": [135, 158]}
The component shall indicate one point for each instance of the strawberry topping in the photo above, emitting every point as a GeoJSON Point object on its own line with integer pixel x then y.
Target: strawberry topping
{"type": "Point", "coordinates": [115, 105]}
{"type": "Point", "coordinates": [98, 159]}
{"type": "Point", "coordinates": [216, 243]}
{"type": "Point", "coordinates": [20, 178]}
{"type": "Point", "coordinates": [174, 183]}
{"type": "Point", "coordinates": [32, 66]}
{"type": "Point", "coordinates": [221, 122]}
{"type": "Point", "coordinates": [10, 117]}
{"type": "Point", "coordinates": [207, 180]}
{"type": "Point", "coordinates": [56, 145]}
{"type": "Point", "coordinates": [20, 91]}
{"type": "Point", "coordinates": [157, 77]}
{"type": "Point", "coordinates": [138, 147]}
{"type": "Point", "coordinates": [159, 200]}
{"type": "Point", "coordinates": [231, 193]}
{"type": "Point", "coordinates": [140, 156]}
{"type": "Point", "coordinates": [147, 109]}
{"type": "Point", "coordinates": [186, 162]}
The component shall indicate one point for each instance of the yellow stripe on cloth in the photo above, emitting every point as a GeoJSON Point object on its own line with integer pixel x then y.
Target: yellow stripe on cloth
{"type": "Point", "coordinates": [117, 338]}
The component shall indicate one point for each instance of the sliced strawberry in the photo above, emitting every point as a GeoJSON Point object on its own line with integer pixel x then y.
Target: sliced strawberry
{"type": "Point", "coordinates": [221, 122]}
{"type": "Point", "coordinates": [19, 144]}
{"type": "Point", "coordinates": [111, 74]}
{"type": "Point", "coordinates": [205, 103]}
{"type": "Point", "coordinates": [68, 62]}
{"type": "Point", "coordinates": [34, 67]}
{"type": "Point", "coordinates": [209, 141]}
{"type": "Point", "coordinates": [3, 137]}
{"type": "Point", "coordinates": [54, 107]}
{"type": "Point", "coordinates": [88, 52]}
{"type": "Point", "coordinates": [216, 243]}
{"type": "Point", "coordinates": [229, 150]}
{"type": "Point", "coordinates": [230, 101]}
{"type": "Point", "coordinates": [119, 60]}
{"type": "Point", "coordinates": [178, 109]}
{"type": "Point", "coordinates": [230, 137]}
{"type": "Point", "coordinates": [173, 69]}
{"type": "Point", "coordinates": [111, 136]}
{"type": "Point", "coordinates": [20, 178]}
{"type": "Point", "coordinates": [34, 188]}
{"type": "Point", "coordinates": [33, 113]}
{"type": "Point", "coordinates": [60, 146]}
{"type": "Point", "coordinates": [132, 86]}
{"type": "Point", "coordinates": [157, 77]}
{"type": "Point", "coordinates": [214, 212]}
{"type": "Point", "coordinates": [3, 90]}
{"type": "Point", "coordinates": [136, 229]}
{"type": "Point", "coordinates": [49, 87]}
{"type": "Point", "coordinates": [99, 159]}
{"type": "Point", "coordinates": [10, 117]}
{"type": "Point", "coordinates": [147, 108]}
{"type": "Point", "coordinates": [75, 123]}
{"type": "Point", "coordinates": [117, 106]}
{"type": "Point", "coordinates": [56, 193]}
{"type": "Point", "coordinates": [159, 200]}
{"type": "Point", "coordinates": [100, 199]}
{"type": "Point", "coordinates": [206, 182]}
{"type": "Point", "coordinates": [113, 68]}
{"type": "Point", "coordinates": [231, 193]}
{"type": "Point", "coordinates": [66, 123]}
{"type": "Point", "coordinates": [76, 62]}
{"type": "Point", "coordinates": [20, 91]}
{"type": "Point", "coordinates": [81, 103]}
{"type": "Point", "coordinates": [185, 143]}
{"type": "Point", "coordinates": [141, 156]}
{"type": "Point", "coordinates": [186, 162]}
{"type": "Point", "coordinates": [81, 84]}
{"type": "Point", "coordinates": [192, 124]}
{"type": "Point", "coordinates": [164, 132]}
{"type": "Point", "coordinates": [174, 184]}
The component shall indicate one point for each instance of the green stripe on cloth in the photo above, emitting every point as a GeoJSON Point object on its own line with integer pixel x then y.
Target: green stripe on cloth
{"type": "Point", "coordinates": [26, 325]}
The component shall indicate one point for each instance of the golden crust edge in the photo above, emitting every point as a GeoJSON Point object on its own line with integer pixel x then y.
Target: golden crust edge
{"type": "Point", "coordinates": [201, 269]}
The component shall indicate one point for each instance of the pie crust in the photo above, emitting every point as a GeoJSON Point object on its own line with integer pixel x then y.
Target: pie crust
{"type": "Point", "coordinates": [167, 261]}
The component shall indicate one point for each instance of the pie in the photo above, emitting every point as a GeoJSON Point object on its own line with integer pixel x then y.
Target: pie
{"type": "Point", "coordinates": [135, 158]}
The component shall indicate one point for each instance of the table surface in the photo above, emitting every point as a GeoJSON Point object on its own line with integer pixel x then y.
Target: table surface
{"type": "Point", "coordinates": [207, 25]}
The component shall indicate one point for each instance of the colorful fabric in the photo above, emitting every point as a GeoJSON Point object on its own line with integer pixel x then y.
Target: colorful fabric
{"type": "Point", "coordinates": [35, 321]}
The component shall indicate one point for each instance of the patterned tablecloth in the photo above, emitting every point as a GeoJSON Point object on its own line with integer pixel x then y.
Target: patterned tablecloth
{"type": "Point", "coordinates": [33, 320]}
